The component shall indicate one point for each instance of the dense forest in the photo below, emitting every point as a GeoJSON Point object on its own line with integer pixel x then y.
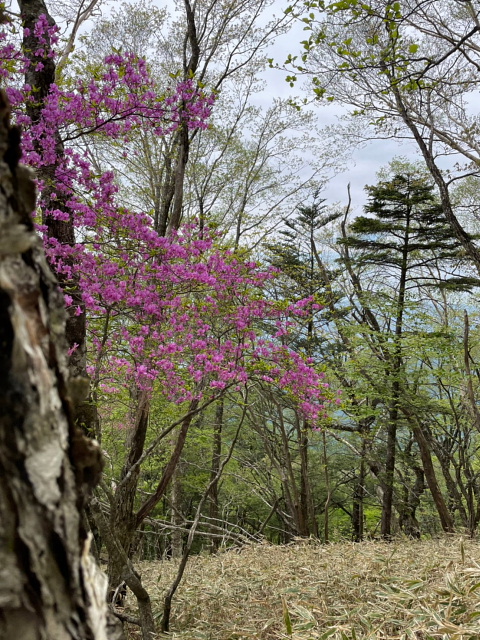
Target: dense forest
{"type": "Point", "coordinates": [245, 359]}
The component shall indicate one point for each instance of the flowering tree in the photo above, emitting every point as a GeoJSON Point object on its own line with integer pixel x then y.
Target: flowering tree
{"type": "Point", "coordinates": [56, 120]}
{"type": "Point", "coordinates": [177, 314]}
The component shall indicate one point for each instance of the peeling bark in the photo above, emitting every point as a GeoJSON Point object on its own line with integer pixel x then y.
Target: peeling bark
{"type": "Point", "coordinates": [50, 588]}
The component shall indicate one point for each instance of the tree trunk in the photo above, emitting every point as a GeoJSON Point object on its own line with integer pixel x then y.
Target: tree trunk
{"type": "Point", "coordinates": [178, 520]}
{"type": "Point", "coordinates": [127, 572]}
{"type": "Point", "coordinates": [122, 518]}
{"type": "Point", "coordinates": [50, 586]}
{"type": "Point", "coordinates": [455, 501]}
{"type": "Point", "coordinates": [445, 516]}
{"type": "Point", "coordinates": [387, 502]}
{"type": "Point", "coordinates": [216, 453]}
{"type": "Point", "coordinates": [396, 373]}
{"type": "Point", "coordinates": [152, 501]}
{"type": "Point", "coordinates": [326, 524]}
{"type": "Point", "coordinates": [411, 501]}
{"type": "Point", "coordinates": [358, 498]}
{"type": "Point", "coordinates": [41, 78]}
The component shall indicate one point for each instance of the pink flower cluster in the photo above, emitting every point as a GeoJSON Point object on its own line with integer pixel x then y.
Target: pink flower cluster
{"type": "Point", "coordinates": [186, 314]}
{"type": "Point", "coordinates": [179, 312]}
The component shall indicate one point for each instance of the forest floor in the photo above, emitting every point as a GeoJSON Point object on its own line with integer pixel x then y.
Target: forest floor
{"type": "Point", "coordinates": [422, 590]}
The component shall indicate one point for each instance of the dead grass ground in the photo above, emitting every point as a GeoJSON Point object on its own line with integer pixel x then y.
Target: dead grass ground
{"type": "Point", "coordinates": [422, 590]}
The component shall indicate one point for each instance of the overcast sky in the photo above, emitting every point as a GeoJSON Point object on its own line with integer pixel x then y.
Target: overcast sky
{"type": "Point", "coordinates": [364, 163]}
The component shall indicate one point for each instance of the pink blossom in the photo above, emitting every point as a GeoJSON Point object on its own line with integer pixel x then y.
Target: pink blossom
{"type": "Point", "coordinates": [179, 311]}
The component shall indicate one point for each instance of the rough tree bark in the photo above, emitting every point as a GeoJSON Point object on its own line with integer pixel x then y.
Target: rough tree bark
{"type": "Point", "coordinates": [49, 586]}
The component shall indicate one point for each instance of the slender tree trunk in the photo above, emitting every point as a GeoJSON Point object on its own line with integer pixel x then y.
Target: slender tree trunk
{"type": "Point", "coordinates": [122, 516]}
{"type": "Point", "coordinates": [306, 499]}
{"type": "Point", "coordinates": [455, 502]}
{"type": "Point", "coordinates": [472, 400]}
{"type": "Point", "coordinates": [191, 534]}
{"type": "Point", "coordinates": [50, 586]}
{"type": "Point", "coordinates": [151, 502]}
{"type": "Point", "coordinates": [326, 523]}
{"type": "Point", "coordinates": [173, 193]}
{"type": "Point", "coordinates": [446, 518]}
{"type": "Point", "coordinates": [176, 495]}
{"type": "Point", "coordinates": [291, 485]}
{"type": "Point", "coordinates": [127, 572]}
{"type": "Point", "coordinates": [216, 454]}
{"type": "Point", "coordinates": [179, 179]}
{"type": "Point", "coordinates": [411, 500]}
{"type": "Point", "coordinates": [358, 498]}
{"type": "Point", "coordinates": [390, 459]}
{"type": "Point", "coordinates": [396, 372]}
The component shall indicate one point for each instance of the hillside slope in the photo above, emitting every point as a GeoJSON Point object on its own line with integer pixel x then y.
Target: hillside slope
{"type": "Point", "coordinates": [307, 591]}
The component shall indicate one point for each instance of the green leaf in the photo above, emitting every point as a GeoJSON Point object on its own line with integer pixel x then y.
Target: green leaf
{"type": "Point", "coordinates": [286, 617]}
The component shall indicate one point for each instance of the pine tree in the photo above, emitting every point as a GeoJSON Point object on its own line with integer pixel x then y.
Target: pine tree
{"type": "Point", "coordinates": [295, 256]}
{"type": "Point", "coordinates": [408, 232]}
{"type": "Point", "coordinates": [406, 236]}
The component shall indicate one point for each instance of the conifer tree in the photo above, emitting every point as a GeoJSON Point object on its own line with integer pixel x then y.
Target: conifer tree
{"type": "Point", "coordinates": [408, 226]}
{"type": "Point", "coordinates": [295, 256]}
{"type": "Point", "coordinates": [404, 235]}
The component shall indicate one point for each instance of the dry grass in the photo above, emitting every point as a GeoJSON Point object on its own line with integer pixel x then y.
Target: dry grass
{"type": "Point", "coordinates": [421, 590]}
